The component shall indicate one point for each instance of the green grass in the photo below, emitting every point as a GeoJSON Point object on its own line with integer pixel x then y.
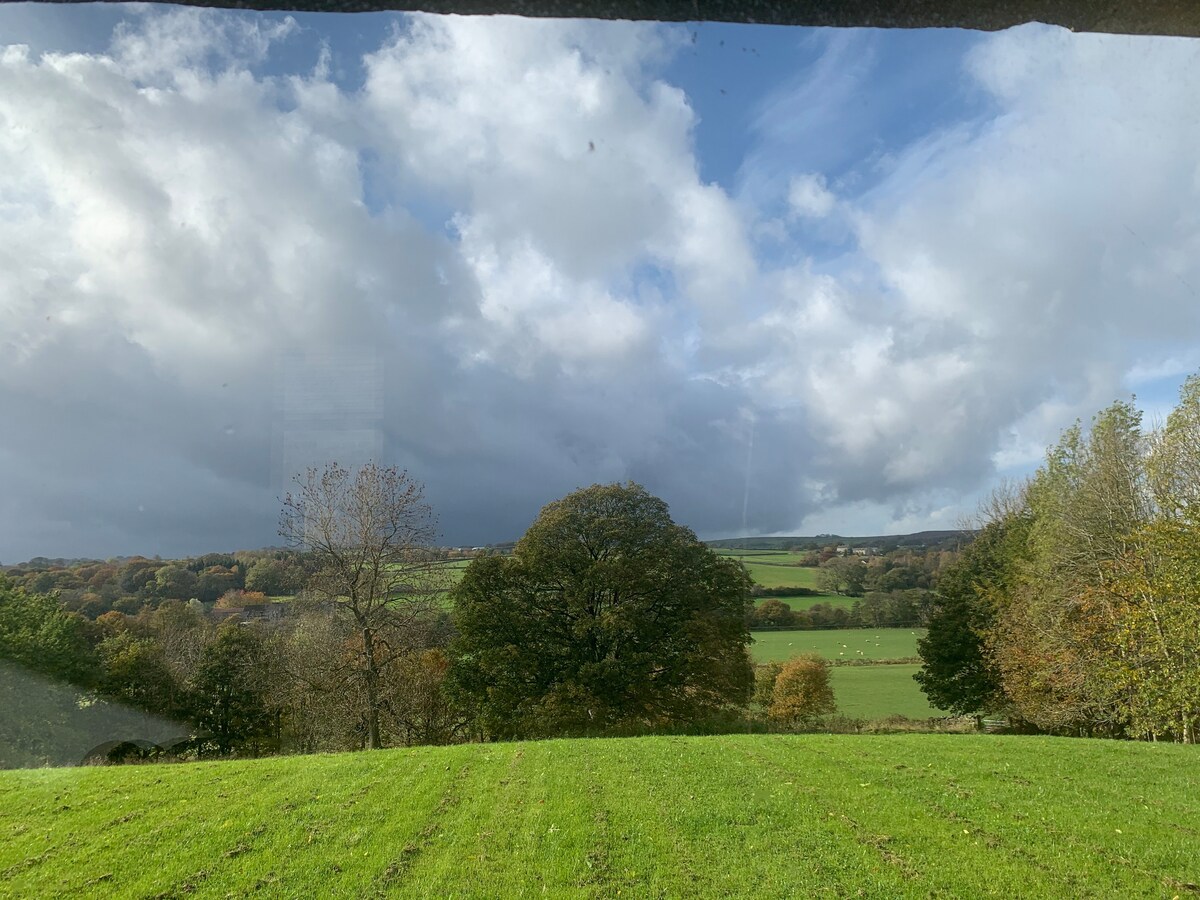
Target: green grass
{"type": "Point", "coordinates": [770, 575]}
{"type": "Point", "coordinates": [773, 570]}
{"type": "Point", "coordinates": [842, 643]}
{"type": "Point", "coordinates": [808, 601]}
{"type": "Point", "coordinates": [861, 692]}
{"type": "Point", "coordinates": [876, 692]}
{"type": "Point", "coordinates": [739, 816]}
{"type": "Point", "coordinates": [455, 569]}
{"type": "Point", "coordinates": [765, 554]}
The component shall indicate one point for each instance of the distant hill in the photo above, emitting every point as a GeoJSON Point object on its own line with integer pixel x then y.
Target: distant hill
{"type": "Point", "coordinates": [922, 539]}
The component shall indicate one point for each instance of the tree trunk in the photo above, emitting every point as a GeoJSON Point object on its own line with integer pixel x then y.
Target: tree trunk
{"type": "Point", "coordinates": [372, 686]}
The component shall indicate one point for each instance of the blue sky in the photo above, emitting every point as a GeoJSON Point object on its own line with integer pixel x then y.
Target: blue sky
{"type": "Point", "coordinates": [793, 280]}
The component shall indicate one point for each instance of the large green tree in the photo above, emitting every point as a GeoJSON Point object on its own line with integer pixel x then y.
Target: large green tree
{"type": "Point", "coordinates": [607, 615]}
{"type": "Point", "coordinates": [958, 673]}
{"type": "Point", "coordinates": [38, 634]}
{"type": "Point", "coordinates": [229, 692]}
{"type": "Point", "coordinates": [1086, 505]}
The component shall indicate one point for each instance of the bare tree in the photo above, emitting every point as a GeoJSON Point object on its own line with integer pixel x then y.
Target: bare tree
{"type": "Point", "coordinates": [370, 533]}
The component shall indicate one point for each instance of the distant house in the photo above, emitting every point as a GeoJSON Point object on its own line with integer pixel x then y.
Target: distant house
{"type": "Point", "coordinates": [865, 551]}
{"type": "Point", "coordinates": [842, 549]}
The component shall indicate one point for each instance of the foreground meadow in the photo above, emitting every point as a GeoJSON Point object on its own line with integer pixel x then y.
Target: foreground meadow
{"type": "Point", "coordinates": [734, 816]}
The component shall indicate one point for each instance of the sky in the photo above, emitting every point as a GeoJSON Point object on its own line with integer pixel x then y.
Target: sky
{"type": "Point", "coordinates": [791, 280]}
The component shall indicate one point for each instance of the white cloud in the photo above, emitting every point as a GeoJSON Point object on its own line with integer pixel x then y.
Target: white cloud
{"type": "Point", "coordinates": [1008, 272]}
{"type": "Point", "coordinates": [809, 198]}
{"type": "Point", "coordinates": [179, 229]}
{"type": "Point", "coordinates": [509, 218]}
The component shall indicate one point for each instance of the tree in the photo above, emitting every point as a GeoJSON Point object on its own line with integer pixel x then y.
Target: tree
{"type": "Point", "coordinates": [229, 691]}
{"type": "Point", "coordinates": [175, 582]}
{"type": "Point", "coordinates": [37, 633]}
{"type": "Point", "coordinates": [136, 673]}
{"type": "Point", "coordinates": [1086, 506]}
{"type": "Point", "coordinates": [420, 707]}
{"type": "Point", "coordinates": [842, 575]}
{"type": "Point", "coordinates": [215, 581]}
{"type": "Point", "coordinates": [137, 575]}
{"type": "Point", "coordinates": [801, 691]}
{"type": "Point", "coordinates": [369, 533]}
{"type": "Point", "coordinates": [957, 672]}
{"type": "Point", "coordinates": [275, 577]}
{"type": "Point", "coordinates": [764, 684]}
{"type": "Point", "coordinates": [773, 613]}
{"type": "Point", "coordinates": [608, 615]}
{"type": "Point", "coordinates": [1153, 652]}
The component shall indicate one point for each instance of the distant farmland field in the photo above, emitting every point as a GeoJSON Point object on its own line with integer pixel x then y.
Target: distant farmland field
{"type": "Point", "coordinates": [861, 692]}
{"type": "Point", "coordinates": [762, 816]}
{"type": "Point", "coordinates": [841, 643]}
{"type": "Point", "coordinates": [809, 600]}
{"type": "Point", "coordinates": [779, 570]}
{"type": "Point", "coordinates": [773, 575]}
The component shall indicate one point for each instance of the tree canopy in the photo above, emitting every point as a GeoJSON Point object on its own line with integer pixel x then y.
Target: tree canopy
{"type": "Point", "coordinates": [1078, 608]}
{"type": "Point", "coordinates": [608, 615]}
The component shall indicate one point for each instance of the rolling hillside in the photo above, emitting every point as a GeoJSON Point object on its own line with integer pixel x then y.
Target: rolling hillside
{"type": "Point", "coordinates": [737, 816]}
{"type": "Point", "coordinates": [883, 541]}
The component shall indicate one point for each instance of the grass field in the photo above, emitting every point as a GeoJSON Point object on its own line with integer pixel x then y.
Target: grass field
{"type": "Point", "coordinates": [808, 601]}
{"type": "Point", "coordinates": [782, 555]}
{"type": "Point", "coordinates": [842, 643]}
{"type": "Point", "coordinates": [776, 570]}
{"type": "Point", "coordinates": [876, 692]}
{"type": "Point", "coordinates": [739, 816]}
{"type": "Point", "coordinates": [861, 692]}
{"type": "Point", "coordinates": [773, 576]}
{"type": "Point", "coordinates": [455, 568]}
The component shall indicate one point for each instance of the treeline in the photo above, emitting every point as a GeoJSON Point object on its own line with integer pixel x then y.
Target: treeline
{"type": "Point", "coordinates": [1077, 609]}
{"type": "Point", "coordinates": [93, 588]}
{"type": "Point", "coordinates": [895, 609]}
{"type": "Point", "coordinates": [887, 573]}
{"type": "Point", "coordinates": [921, 540]}
{"type": "Point", "coordinates": [235, 686]}
{"type": "Point", "coordinates": [607, 618]}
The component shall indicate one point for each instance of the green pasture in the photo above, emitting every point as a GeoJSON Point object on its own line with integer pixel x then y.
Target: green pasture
{"type": "Point", "coordinates": [762, 816]}
{"type": "Point", "coordinates": [876, 692]}
{"type": "Point", "coordinates": [765, 554]}
{"type": "Point", "coordinates": [772, 575]}
{"type": "Point", "coordinates": [841, 643]}
{"type": "Point", "coordinates": [809, 600]}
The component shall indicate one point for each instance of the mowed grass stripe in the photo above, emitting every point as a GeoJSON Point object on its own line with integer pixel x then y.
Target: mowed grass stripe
{"type": "Point", "coordinates": [1140, 848]}
{"type": "Point", "coordinates": [522, 805]}
{"type": "Point", "coordinates": [219, 827]}
{"type": "Point", "coordinates": [732, 828]}
{"type": "Point", "coordinates": [1012, 797]}
{"type": "Point", "coordinates": [938, 837]}
{"type": "Point", "coordinates": [923, 817]}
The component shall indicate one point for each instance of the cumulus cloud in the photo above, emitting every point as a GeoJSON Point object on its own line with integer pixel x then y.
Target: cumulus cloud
{"type": "Point", "coordinates": [191, 244]}
{"type": "Point", "coordinates": [496, 263]}
{"type": "Point", "coordinates": [808, 197]}
{"type": "Point", "coordinates": [1009, 271]}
